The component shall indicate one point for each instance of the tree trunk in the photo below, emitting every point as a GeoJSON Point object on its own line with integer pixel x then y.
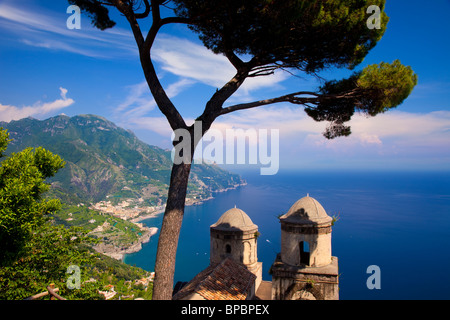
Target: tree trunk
{"type": "Point", "coordinates": [170, 232]}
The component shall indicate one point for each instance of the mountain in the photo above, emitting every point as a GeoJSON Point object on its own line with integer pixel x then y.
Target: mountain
{"type": "Point", "coordinates": [104, 161]}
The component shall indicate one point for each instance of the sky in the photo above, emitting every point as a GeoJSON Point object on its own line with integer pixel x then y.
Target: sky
{"type": "Point", "coordinates": [47, 69]}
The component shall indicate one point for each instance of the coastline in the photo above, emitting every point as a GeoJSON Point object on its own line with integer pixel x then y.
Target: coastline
{"type": "Point", "coordinates": [119, 253]}
{"type": "Point", "coordinates": [147, 216]}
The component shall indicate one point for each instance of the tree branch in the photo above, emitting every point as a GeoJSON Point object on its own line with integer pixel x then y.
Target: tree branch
{"type": "Point", "coordinates": [163, 102]}
{"type": "Point", "coordinates": [146, 12]}
{"type": "Point", "coordinates": [127, 11]}
{"type": "Point", "coordinates": [165, 105]}
{"type": "Point", "coordinates": [234, 60]}
{"type": "Point", "coordinates": [157, 24]}
{"type": "Point", "coordinates": [213, 108]}
{"type": "Point", "coordinates": [294, 99]}
{"type": "Point", "coordinates": [287, 98]}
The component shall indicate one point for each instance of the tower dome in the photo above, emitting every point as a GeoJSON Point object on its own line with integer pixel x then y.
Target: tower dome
{"type": "Point", "coordinates": [307, 210]}
{"type": "Point", "coordinates": [234, 236]}
{"type": "Point", "coordinates": [306, 234]}
{"type": "Point", "coordinates": [235, 220]}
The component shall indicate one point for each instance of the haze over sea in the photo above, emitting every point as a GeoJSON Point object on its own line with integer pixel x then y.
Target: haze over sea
{"type": "Point", "coordinates": [399, 221]}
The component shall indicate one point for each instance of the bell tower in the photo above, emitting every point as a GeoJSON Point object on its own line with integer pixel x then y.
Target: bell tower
{"type": "Point", "coordinates": [234, 236]}
{"type": "Point", "coordinates": [305, 268]}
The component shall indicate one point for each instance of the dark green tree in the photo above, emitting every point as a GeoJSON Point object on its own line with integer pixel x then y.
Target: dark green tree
{"type": "Point", "coordinates": [45, 260]}
{"type": "Point", "coordinates": [33, 252]}
{"type": "Point", "coordinates": [259, 37]}
{"type": "Point", "coordinates": [22, 184]}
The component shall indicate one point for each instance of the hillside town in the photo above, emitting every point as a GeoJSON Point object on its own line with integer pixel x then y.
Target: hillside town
{"type": "Point", "coordinates": [110, 292]}
{"type": "Point", "coordinates": [134, 210]}
{"type": "Point", "coordinates": [128, 209]}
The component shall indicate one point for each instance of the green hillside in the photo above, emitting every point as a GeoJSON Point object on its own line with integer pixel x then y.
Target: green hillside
{"type": "Point", "coordinates": [104, 161]}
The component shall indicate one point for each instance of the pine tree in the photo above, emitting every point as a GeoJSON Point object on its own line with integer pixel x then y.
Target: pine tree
{"type": "Point", "coordinates": [259, 37]}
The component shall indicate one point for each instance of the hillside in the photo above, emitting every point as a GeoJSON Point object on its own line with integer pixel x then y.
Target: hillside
{"type": "Point", "coordinates": [106, 162]}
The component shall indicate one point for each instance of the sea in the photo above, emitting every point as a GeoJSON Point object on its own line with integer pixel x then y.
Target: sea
{"type": "Point", "coordinates": [392, 234]}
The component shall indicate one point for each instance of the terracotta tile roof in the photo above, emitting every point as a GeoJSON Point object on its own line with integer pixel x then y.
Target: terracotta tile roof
{"type": "Point", "coordinates": [227, 280]}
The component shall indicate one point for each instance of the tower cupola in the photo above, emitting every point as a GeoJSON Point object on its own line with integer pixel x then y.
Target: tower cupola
{"type": "Point", "coordinates": [306, 234]}
{"type": "Point", "coordinates": [234, 236]}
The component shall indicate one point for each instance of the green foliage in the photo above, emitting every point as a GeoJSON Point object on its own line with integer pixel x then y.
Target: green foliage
{"type": "Point", "coordinates": [45, 259]}
{"type": "Point", "coordinates": [119, 269]}
{"type": "Point", "coordinates": [49, 253]}
{"type": "Point", "coordinates": [387, 85]}
{"type": "Point", "coordinates": [22, 183]}
{"type": "Point", "coordinates": [119, 233]}
{"type": "Point", "coordinates": [34, 252]}
{"type": "Point", "coordinates": [307, 35]}
{"type": "Point", "coordinates": [375, 89]}
{"type": "Point", "coordinates": [3, 141]}
{"type": "Point", "coordinates": [335, 218]}
{"type": "Point", "coordinates": [109, 271]}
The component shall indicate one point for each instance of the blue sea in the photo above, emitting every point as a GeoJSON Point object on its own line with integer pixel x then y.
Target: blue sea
{"type": "Point", "coordinates": [398, 221]}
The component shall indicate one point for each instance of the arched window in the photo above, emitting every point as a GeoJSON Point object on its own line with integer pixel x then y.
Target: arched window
{"type": "Point", "coordinates": [228, 249]}
{"type": "Point", "coordinates": [248, 253]}
{"type": "Point", "coordinates": [304, 252]}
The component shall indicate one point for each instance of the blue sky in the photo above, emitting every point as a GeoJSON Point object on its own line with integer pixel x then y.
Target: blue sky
{"type": "Point", "coordinates": [47, 69]}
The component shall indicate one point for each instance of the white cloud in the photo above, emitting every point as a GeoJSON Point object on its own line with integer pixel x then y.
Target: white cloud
{"type": "Point", "coordinates": [407, 129]}
{"type": "Point", "coordinates": [396, 139]}
{"type": "Point", "coordinates": [63, 46]}
{"type": "Point", "coordinates": [158, 125]}
{"type": "Point", "coordinates": [139, 100]}
{"type": "Point", "coordinates": [393, 129]}
{"type": "Point", "coordinates": [368, 139]}
{"type": "Point", "coordinates": [63, 92]}
{"type": "Point", "coordinates": [190, 60]}
{"type": "Point", "coordinates": [47, 29]}
{"type": "Point", "coordinates": [404, 127]}
{"type": "Point", "coordinates": [8, 112]}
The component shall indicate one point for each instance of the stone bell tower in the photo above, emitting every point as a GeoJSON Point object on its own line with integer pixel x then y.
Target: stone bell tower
{"type": "Point", "coordinates": [234, 236]}
{"type": "Point", "coordinates": [305, 268]}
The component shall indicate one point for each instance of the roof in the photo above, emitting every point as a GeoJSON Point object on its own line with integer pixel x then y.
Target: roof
{"type": "Point", "coordinates": [235, 220]}
{"type": "Point", "coordinates": [227, 280]}
{"type": "Point", "coordinates": [307, 210]}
